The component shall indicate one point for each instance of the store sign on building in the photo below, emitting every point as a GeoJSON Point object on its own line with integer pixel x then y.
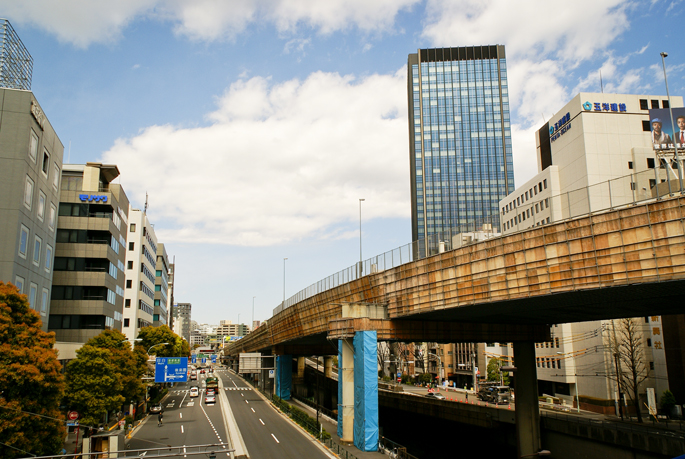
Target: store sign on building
{"type": "Point", "coordinates": [91, 198]}
{"type": "Point", "coordinates": [604, 107]}
{"type": "Point", "coordinates": [560, 127]}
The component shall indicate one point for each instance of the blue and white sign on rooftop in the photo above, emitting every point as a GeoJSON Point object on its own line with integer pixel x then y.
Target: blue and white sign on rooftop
{"type": "Point", "coordinates": [171, 369]}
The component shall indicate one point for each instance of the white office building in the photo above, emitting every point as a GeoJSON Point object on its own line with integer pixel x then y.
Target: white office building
{"type": "Point", "coordinates": [594, 155]}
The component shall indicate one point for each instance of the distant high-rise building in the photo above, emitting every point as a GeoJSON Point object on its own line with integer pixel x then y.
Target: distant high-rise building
{"type": "Point", "coordinates": [16, 64]}
{"type": "Point", "coordinates": [30, 172]}
{"type": "Point", "coordinates": [141, 261]}
{"type": "Point", "coordinates": [459, 141]}
{"type": "Point", "coordinates": [182, 320]}
{"type": "Point", "coordinates": [161, 316]}
{"type": "Point", "coordinates": [87, 292]}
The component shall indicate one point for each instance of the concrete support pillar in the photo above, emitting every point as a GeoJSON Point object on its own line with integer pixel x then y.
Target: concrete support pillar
{"type": "Point", "coordinates": [346, 390]}
{"type": "Point", "coordinates": [284, 376]}
{"type": "Point", "coordinates": [300, 367]}
{"type": "Point", "coordinates": [328, 367]}
{"type": "Point", "coordinates": [527, 406]}
{"type": "Point", "coordinates": [365, 391]}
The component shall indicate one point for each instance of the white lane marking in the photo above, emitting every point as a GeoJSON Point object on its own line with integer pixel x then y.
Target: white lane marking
{"type": "Point", "coordinates": [260, 420]}
{"type": "Point", "coordinates": [252, 410]}
{"type": "Point", "coordinates": [184, 397]}
{"type": "Point", "coordinates": [275, 438]}
{"type": "Point", "coordinates": [246, 401]}
{"type": "Point", "coordinates": [182, 429]}
{"type": "Point", "coordinates": [181, 415]}
{"type": "Point", "coordinates": [184, 451]}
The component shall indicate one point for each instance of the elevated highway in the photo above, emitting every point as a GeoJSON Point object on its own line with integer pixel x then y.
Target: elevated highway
{"type": "Point", "coordinates": [628, 262]}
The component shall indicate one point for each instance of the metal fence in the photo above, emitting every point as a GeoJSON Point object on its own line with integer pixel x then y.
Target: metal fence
{"type": "Point", "coordinates": [672, 429]}
{"type": "Point", "coordinates": [640, 187]}
{"type": "Point", "coordinates": [394, 450]}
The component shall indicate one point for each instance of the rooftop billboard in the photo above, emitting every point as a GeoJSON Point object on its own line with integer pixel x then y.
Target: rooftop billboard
{"type": "Point", "coordinates": [662, 128]}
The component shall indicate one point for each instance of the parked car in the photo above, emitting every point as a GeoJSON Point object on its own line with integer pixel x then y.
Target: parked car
{"type": "Point", "coordinates": [155, 409]}
{"type": "Point", "coordinates": [194, 391]}
{"type": "Point", "coordinates": [435, 395]}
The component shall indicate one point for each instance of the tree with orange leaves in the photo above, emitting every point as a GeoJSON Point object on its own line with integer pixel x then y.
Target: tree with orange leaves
{"type": "Point", "coordinates": [31, 382]}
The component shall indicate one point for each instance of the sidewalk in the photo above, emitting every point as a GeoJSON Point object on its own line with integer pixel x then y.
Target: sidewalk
{"type": "Point", "coordinates": [331, 427]}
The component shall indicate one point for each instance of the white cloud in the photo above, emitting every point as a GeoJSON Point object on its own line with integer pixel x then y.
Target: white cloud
{"type": "Point", "coordinates": [84, 22]}
{"type": "Point", "coordinates": [279, 162]}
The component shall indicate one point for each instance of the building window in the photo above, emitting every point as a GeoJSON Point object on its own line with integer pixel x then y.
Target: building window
{"type": "Point", "coordinates": [126, 322]}
{"type": "Point", "coordinates": [37, 246]}
{"type": "Point", "coordinates": [649, 342]}
{"type": "Point", "coordinates": [655, 104]}
{"type": "Point", "coordinates": [52, 216]}
{"type": "Point", "coordinates": [645, 126]}
{"type": "Point", "coordinates": [48, 258]}
{"type": "Point", "coordinates": [127, 302]}
{"type": "Point", "coordinates": [129, 283]}
{"type": "Point", "coordinates": [44, 302]}
{"type": "Point", "coordinates": [129, 264]}
{"type": "Point", "coordinates": [28, 193]}
{"type": "Point", "coordinates": [652, 183]}
{"type": "Point", "coordinates": [131, 245]}
{"type": "Point", "coordinates": [33, 146]}
{"type": "Point", "coordinates": [19, 283]}
{"type": "Point", "coordinates": [650, 163]}
{"type": "Point", "coordinates": [55, 176]}
{"type": "Point", "coordinates": [41, 206]}
{"type": "Point", "coordinates": [651, 365]}
{"type": "Point", "coordinates": [643, 104]}
{"type": "Point", "coordinates": [46, 162]}
{"type": "Point", "coordinates": [544, 183]}
{"type": "Point", "coordinates": [23, 241]}
{"type": "Point", "coordinates": [664, 104]}
{"type": "Point", "coordinates": [630, 164]}
{"type": "Point", "coordinates": [133, 227]}
{"type": "Point", "coordinates": [33, 291]}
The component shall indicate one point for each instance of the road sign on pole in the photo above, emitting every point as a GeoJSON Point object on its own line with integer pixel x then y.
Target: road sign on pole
{"type": "Point", "coordinates": [204, 359]}
{"type": "Point", "coordinates": [194, 359]}
{"type": "Point", "coordinates": [214, 358]}
{"type": "Point", "coordinates": [73, 415]}
{"type": "Point", "coordinates": [171, 369]}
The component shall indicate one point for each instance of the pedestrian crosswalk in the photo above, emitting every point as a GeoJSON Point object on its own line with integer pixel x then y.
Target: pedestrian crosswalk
{"type": "Point", "coordinates": [238, 388]}
{"type": "Point", "coordinates": [184, 391]}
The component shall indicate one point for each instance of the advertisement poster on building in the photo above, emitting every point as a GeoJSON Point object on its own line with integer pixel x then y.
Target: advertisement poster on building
{"type": "Point", "coordinates": [664, 133]}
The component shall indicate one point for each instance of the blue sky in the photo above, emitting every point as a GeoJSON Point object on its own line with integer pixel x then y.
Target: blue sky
{"type": "Point", "coordinates": [256, 126]}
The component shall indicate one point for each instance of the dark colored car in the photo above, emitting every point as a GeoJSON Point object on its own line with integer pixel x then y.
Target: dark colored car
{"type": "Point", "coordinates": [156, 409]}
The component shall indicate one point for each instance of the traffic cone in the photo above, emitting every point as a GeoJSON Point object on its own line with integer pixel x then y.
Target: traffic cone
{"type": "Point", "coordinates": [509, 406]}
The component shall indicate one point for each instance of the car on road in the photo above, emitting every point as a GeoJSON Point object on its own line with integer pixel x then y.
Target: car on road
{"type": "Point", "coordinates": [211, 391]}
{"type": "Point", "coordinates": [435, 396]}
{"type": "Point", "coordinates": [194, 391]}
{"type": "Point", "coordinates": [210, 399]}
{"type": "Point", "coordinates": [156, 409]}
{"type": "Point", "coordinates": [211, 370]}
{"type": "Point", "coordinates": [202, 371]}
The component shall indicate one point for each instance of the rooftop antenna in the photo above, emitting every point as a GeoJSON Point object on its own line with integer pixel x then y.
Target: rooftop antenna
{"type": "Point", "coordinates": [601, 84]}
{"type": "Point", "coordinates": [145, 210]}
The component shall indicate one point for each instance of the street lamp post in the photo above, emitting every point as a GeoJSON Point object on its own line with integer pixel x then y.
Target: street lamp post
{"type": "Point", "coordinates": [252, 324]}
{"type": "Point", "coordinates": [360, 270]}
{"type": "Point", "coordinates": [155, 345]}
{"type": "Point", "coordinates": [135, 340]}
{"type": "Point", "coordinates": [284, 281]}
{"type": "Point", "coordinates": [670, 109]}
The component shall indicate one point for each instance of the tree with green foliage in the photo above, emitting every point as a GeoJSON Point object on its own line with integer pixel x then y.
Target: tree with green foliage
{"type": "Point", "coordinates": [494, 372]}
{"type": "Point", "coordinates": [150, 336]}
{"type": "Point", "coordinates": [31, 382]}
{"type": "Point", "coordinates": [129, 364]}
{"type": "Point", "coordinates": [667, 402]}
{"type": "Point", "coordinates": [94, 385]}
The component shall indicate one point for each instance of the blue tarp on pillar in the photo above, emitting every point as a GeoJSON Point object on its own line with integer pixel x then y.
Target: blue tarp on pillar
{"type": "Point", "coordinates": [365, 391]}
{"type": "Point", "coordinates": [340, 390]}
{"type": "Point", "coordinates": [284, 376]}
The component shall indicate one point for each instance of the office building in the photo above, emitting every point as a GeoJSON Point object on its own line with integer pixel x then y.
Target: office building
{"type": "Point", "coordinates": [141, 262]}
{"type": "Point", "coordinates": [87, 292]}
{"type": "Point", "coordinates": [16, 64]}
{"type": "Point", "coordinates": [170, 294]}
{"type": "Point", "coordinates": [182, 321]}
{"type": "Point", "coordinates": [459, 141]}
{"type": "Point", "coordinates": [595, 154]}
{"type": "Point", "coordinates": [160, 316]}
{"type": "Point", "coordinates": [30, 173]}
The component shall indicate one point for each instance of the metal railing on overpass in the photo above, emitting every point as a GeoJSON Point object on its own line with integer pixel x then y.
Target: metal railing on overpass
{"type": "Point", "coordinates": [539, 209]}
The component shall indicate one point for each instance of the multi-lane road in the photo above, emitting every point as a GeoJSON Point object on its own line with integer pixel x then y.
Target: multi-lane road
{"type": "Point", "coordinates": [189, 421]}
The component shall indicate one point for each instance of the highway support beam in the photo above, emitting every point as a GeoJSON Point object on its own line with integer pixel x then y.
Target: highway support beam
{"type": "Point", "coordinates": [358, 391]}
{"type": "Point", "coordinates": [527, 404]}
{"type": "Point", "coordinates": [284, 376]}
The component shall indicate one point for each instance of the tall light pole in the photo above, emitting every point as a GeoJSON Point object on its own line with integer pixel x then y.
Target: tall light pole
{"type": "Point", "coordinates": [360, 236]}
{"type": "Point", "coordinates": [284, 281]}
{"type": "Point", "coordinates": [252, 324]}
{"type": "Point", "coordinates": [155, 345]}
{"type": "Point", "coordinates": [670, 109]}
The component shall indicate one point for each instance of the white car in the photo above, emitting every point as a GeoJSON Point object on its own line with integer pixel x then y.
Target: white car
{"type": "Point", "coordinates": [210, 399]}
{"type": "Point", "coordinates": [194, 392]}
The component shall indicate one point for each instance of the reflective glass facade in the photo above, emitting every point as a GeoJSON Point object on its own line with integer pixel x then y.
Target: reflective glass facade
{"type": "Point", "coordinates": [460, 138]}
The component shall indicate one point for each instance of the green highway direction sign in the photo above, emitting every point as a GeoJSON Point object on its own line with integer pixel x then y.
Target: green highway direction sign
{"type": "Point", "coordinates": [171, 369]}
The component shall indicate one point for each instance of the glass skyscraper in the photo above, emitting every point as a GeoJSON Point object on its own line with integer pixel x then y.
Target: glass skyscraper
{"type": "Point", "coordinates": [460, 140]}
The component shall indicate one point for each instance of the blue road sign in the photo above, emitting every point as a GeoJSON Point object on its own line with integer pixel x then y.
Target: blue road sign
{"type": "Point", "coordinates": [204, 359]}
{"type": "Point", "coordinates": [194, 359]}
{"type": "Point", "coordinates": [214, 358]}
{"type": "Point", "coordinates": [171, 369]}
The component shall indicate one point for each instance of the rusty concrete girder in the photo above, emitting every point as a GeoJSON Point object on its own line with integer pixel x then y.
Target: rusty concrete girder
{"type": "Point", "coordinates": [434, 331]}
